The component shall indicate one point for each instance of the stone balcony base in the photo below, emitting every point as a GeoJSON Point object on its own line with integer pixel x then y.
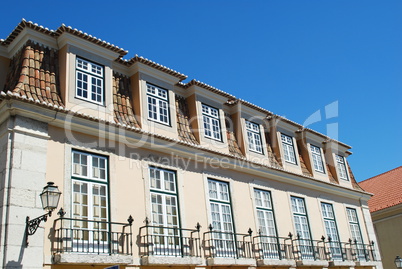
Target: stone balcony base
{"type": "Point", "coordinates": [336, 263]}
{"type": "Point", "coordinates": [83, 258]}
{"type": "Point", "coordinates": [276, 263]}
{"type": "Point", "coordinates": [372, 264]}
{"type": "Point", "coordinates": [227, 261]}
{"type": "Point", "coordinates": [312, 263]}
{"type": "Point", "coordinates": [167, 260]}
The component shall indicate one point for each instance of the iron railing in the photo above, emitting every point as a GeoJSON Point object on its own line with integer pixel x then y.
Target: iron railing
{"type": "Point", "coordinates": [92, 236]}
{"type": "Point", "coordinates": [362, 252]}
{"type": "Point", "coordinates": [227, 244]}
{"type": "Point", "coordinates": [272, 247]}
{"type": "Point", "coordinates": [307, 249]}
{"type": "Point", "coordinates": [169, 241]}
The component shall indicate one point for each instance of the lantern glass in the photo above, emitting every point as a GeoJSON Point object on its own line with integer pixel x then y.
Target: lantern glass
{"type": "Point", "coordinates": [398, 262]}
{"type": "Point", "coordinates": [50, 197]}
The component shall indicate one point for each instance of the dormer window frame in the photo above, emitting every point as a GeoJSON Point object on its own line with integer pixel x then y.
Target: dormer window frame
{"type": "Point", "coordinates": [89, 81]}
{"type": "Point", "coordinates": [318, 162]}
{"type": "Point", "coordinates": [211, 119]}
{"type": "Point", "coordinates": [341, 167]}
{"type": "Point", "coordinates": [158, 98]}
{"type": "Point", "coordinates": [253, 131]}
{"type": "Point", "coordinates": [288, 149]}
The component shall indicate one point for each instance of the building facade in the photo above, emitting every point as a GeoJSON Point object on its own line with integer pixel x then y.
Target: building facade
{"type": "Point", "coordinates": [386, 212]}
{"type": "Point", "coordinates": [156, 172]}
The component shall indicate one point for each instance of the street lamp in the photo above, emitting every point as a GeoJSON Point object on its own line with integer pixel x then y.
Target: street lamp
{"type": "Point", "coordinates": [50, 199]}
{"type": "Point", "coordinates": [398, 262]}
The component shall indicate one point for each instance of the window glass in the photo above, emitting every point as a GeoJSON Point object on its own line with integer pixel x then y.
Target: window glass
{"type": "Point", "coordinates": [89, 81]}
{"type": "Point", "coordinates": [317, 159]}
{"type": "Point", "coordinates": [254, 137]}
{"type": "Point", "coordinates": [158, 104]}
{"type": "Point", "coordinates": [340, 161]}
{"type": "Point", "coordinates": [288, 149]}
{"type": "Point", "coordinates": [212, 128]}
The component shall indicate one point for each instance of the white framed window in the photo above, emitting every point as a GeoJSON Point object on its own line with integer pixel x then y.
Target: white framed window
{"type": "Point", "coordinates": [212, 126]}
{"type": "Point", "coordinates": [317, 159]}
{"type": "Point", "coordinates": [331, 230]}
{"type": "Point", "coordinates": [164, 211]}
{"type": "Point", "coordinates": [254, 137]}
{"type": "Point", "coordinates": [90, 205]}
{"type": "Point", "coordinates": [158, 104]}
{"type": "Point", "coordinates": [354, 225]}
{"type": "Point", "coordinates": [266, 224]}
{"type": "Point", "coordinates": [302, 227]}
{"type": "Point", "coordinates": [221, 215]}
{"type": "Point", "coordinates": [89, 81]}
{"type": "Point", "coordinates": [288, 149]}
{"type": "Point", "coordinates": [356, 234]}
{"type": "Point", "coordinates": [340, 163]}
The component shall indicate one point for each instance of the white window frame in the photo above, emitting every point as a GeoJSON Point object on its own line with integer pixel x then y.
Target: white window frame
{"type": "Point", "coordinates": [211, 123]}
{"type": "Point", "coordinates": [164, 206]}
{"type": "Point", "coordinates": [222, 218]}
{"type": "Point", "coordinates": [355, 232]}
{"type": "Point", "coordinates": [254, 137]}
{"type": "Point", "coordinates": [302, 227]}
{"type": "Point", "coordinates": [341, 165]}
{"type": "Point", "coordinates": [89, 81]}
{"type": "Point", "coordinates": [90, 170]}
{"type": "Point", "coordinates": [266, 224]}
{"type": "Point", "coordinates": [289, 152]}
{"type": "Point", "coordinates": [317, 159]}
{"type": "Point", "coordinates": [158, 104]}
{"type": "Point", "coordinates": [331, 230]}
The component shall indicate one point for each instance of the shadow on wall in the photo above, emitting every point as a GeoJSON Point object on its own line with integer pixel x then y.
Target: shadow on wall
{"type": "Point", "coordinates": [17, 264]}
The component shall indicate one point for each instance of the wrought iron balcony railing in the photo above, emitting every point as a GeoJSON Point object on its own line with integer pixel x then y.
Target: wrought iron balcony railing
{"type": "Point", "coordinates": [92, 236]}
{"type": "Point", "coordinates": [272, 247]}
{"type": "Point", "coordinates": [362, 252]}
{"type": "Point", "coordinates": [307, 249]}
{"type": "Point", "coordinates": [227, 244]}
{"type": "Point", "coordinates": [169, 241]}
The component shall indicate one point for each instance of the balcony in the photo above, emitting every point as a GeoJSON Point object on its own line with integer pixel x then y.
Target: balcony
{"type": "Point", "coordinates": [273, 251]}
{"type": "Point", "coordinates": [102, 241]}
{"type": "Point", "coordinates": [226, 248]}
{"type": "Point", "coordinates": [161, 245]}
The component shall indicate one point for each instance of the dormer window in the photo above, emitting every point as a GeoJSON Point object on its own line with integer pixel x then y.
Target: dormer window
{"type": "Point", "coordinates": [340, 162]}
{"type": "Point", "coordinates": [212, 126]}
{"type": "Point", "coordinates": [158, 104]}
{"type": "Point", "coordinates": [288, 149]}
{"type": "Point", "coordinates": [254, 137]}
{"type": "Point", "coordinates": [317, 159]}
{"type": "Point", "coordinates": [89, 81]}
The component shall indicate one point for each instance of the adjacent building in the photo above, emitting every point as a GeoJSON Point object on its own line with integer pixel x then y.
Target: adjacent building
{"type": "Point", "coordinates": [386, 212]}
{"type": "Point", "coordinates": [156, 172]}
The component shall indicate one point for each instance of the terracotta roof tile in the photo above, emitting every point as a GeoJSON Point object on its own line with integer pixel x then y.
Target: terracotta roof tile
{"type": "Point", "coordinates": [303, 166]}
{"type": "Point", "coordinates": [152, 64]}
{"type": "Point", "coordinates": [34, 73]}
{"type": "Point", "coordinates": [331, 177]}
{"type": "Point", "coordinates": [123, 108]}
{"type": "Point", "coordinates": [183, 124]}
{"type": "Point", "coordinates": [273, 160]}
{"type": "Point", "coordinates": [234, 147]}
{"type": "Point", "coordinates": [355, 185]}
{"type": "Point", "coordinates": [386, 187]}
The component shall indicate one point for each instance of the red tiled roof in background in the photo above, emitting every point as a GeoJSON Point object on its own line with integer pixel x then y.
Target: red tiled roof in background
{"type": "Point", "coordinates": [386, 187]}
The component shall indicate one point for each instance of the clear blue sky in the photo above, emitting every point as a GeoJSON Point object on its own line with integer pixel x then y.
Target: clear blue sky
{"type": "Point", "coordinates": [291, 57]}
